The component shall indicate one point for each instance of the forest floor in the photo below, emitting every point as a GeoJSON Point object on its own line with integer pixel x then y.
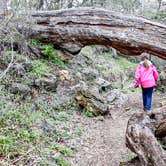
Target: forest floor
{"type": "Point", "coordinates": [103, 142]}
{"type": "Point", "coordinates": [41, 123]}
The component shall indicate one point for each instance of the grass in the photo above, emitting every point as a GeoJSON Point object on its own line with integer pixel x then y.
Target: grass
{"type": "Point", "coordinates": [39, 68]}
{"type": "Point", "coordinates": [64, 151]}
{"type": "Point", "coordinates": [34, 42]}
{"type": "Point", "coordinates": [62, 162]}
{"type": "Point", "coordinates": [16, 132]}
{"type": "Point", "coordinates": [124, 63]}
{"type": "Point", "coordinates": [61, 116]}
{"type": "Point", "coordinates": [18, 135]}
{"type": "Point", "coordinates": [48, 51]}
{"type": "Point", "coordinates": [87, 113]}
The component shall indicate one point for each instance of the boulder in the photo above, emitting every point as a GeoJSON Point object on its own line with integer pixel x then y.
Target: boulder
{"type": "Point", "coordinates": [17, 69]}
{"type": "Point", "coordinates": [20, 88]}
{"type": "Point", "coordinates": [47, 81]}
{"type": "Point", "coordinates": [99, 97]}
{"type": "Point", "coordinates": [90, 98]}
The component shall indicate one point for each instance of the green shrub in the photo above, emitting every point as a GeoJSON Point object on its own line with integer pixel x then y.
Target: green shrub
{"type": "Point", "coordinates": [87, 113]}
{"type": "Point", "coordinates": [34, 42]}
{"type": "Point", "coordinates": [48, 50]}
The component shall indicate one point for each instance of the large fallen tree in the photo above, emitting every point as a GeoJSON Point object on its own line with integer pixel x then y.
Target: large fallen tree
{"type": "Point", "coordinates": [73, 29]}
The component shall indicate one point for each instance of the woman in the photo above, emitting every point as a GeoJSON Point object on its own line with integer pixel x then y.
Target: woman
{"type": "Point", "coordinates": [146, 75]}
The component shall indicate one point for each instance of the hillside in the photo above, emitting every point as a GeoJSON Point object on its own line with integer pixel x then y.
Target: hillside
{"type": "Point", "coordinates": [42, 123]}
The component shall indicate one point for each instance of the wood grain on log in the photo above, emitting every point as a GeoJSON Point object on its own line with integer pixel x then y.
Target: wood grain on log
{"type": "Point", "coordinates": [140, 137]}
{"type": "Point", "coordinates": [73, 29]}
{"type": "Point", "coordinates": [161, 129]}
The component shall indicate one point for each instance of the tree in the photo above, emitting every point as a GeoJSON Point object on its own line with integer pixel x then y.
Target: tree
{"type": "Point", "coordinates": [159, 5]}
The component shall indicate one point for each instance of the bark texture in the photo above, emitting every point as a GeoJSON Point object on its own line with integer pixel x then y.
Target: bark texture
{"type": "Point", "coordinates": [73, 29]}
{"type": "Point", "coordinates": [140, 137]}
{"type": "Point", "coordinates": [161, 129]}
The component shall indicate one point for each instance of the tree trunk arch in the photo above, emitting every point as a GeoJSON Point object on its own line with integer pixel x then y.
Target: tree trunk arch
{"type": "Point", "coordinates": [72, 29]}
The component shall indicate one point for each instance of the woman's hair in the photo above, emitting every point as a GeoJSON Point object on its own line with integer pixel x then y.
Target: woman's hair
{"type": "Point", "coordinates": [145, 60]}
{"type": "Point", "coordinates": [146, 63]}
{"type": "Point", "coordinates": [144, 56]}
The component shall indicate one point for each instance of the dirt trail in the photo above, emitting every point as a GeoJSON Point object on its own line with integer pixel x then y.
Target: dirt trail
{"type": "Point", "coordinates": [103, 140]}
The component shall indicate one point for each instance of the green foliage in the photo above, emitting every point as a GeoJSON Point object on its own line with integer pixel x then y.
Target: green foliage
{"type": "Point", "coordinates": [16, 131]}
{"type": "Point", "coordinates": [39, 68]}
{"type": "Point", "coordinates": [116, 85]}
{"type": "Point", "coordinates": [124, 63]}
{"type": "Point", "coordinates": [48, 50]}
{"type": "Point", "coordinates": [61, 116]}
{"type": "Point", "coordinates": [87, 113]}
{"type": "Point", "coordinates": [64, 151]}
{"type": "Point", "coordinates": [160, 15]}
{"type": "Point", "coordinates": [34, 42]}
{"type": "Point", "coordinates": [62, 162]}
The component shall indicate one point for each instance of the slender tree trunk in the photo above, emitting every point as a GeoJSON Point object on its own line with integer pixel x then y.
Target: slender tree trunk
{"type": "Point", "coordinates": [40, 5]}
{"type": "Point", "coordinates": [159, 6]}
{"type": "Point", "coordinates": [70, 4]}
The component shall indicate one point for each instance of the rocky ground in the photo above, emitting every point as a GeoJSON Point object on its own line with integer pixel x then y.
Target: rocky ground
{"type": "Point", "coordinates": [73, 113]}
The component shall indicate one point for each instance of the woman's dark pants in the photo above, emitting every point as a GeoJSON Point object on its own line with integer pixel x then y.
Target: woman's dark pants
{"type": "Point", "coordinates": [147, 97]}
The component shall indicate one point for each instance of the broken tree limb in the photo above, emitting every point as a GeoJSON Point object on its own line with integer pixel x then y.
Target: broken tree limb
{"type": "Point", "coordinates": [140, 137]}
{"type": "Point", "coordinates": [73, 29]}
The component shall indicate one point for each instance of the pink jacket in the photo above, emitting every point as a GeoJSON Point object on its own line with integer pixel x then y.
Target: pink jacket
{"type": "Point", "coordinates": [146, 77]}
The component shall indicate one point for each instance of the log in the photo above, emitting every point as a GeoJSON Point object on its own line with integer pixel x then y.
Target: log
{"type": "Point", "coordinates": [161, 129]}
{"type": "Point", "coordinates": [72, 29]}
{"type": "Point", "coordinates": [140, 137]}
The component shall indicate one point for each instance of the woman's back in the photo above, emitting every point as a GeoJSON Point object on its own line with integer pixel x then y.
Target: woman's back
{"type": "Point", "coordinates": [147, 75]}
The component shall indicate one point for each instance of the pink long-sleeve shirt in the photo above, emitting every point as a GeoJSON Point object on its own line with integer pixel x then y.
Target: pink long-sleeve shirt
{"type": "Point", "coordinates": [146, 77]}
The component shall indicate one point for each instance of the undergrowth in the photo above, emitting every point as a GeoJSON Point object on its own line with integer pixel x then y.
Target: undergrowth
{"type": "Point", "coordinates": [48, 51]}
{"type": "Point", "coordinates": [39, 67]}
{"type": "Point", "coordinates": [23, 136]}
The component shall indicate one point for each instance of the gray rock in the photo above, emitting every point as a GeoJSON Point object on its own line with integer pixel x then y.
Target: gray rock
{"type": "Point", "coordinates": [110, 97]}
{"type": "Point", "coordinates": [121, 98]}
{"type": "Point", "coordinates": [90, 98]}
{"type": "Point", "coordinates": [99, 103]}
{"type": "Point", "coordinates": [103, 85]}
{"type": "Point", "coordinates": [48, 81]}
{"type": "Point", "coordinates": [27, 66]}
{"type": "Point", "coordinates": [20, 88]}
{"type": "Point", "coordinates": [17, 69]}
{"type": "Point", "coordinates": [89, 73]}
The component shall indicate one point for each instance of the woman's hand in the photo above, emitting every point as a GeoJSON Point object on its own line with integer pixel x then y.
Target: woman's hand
{"type": "Point", "coordinates": [136, 86]}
